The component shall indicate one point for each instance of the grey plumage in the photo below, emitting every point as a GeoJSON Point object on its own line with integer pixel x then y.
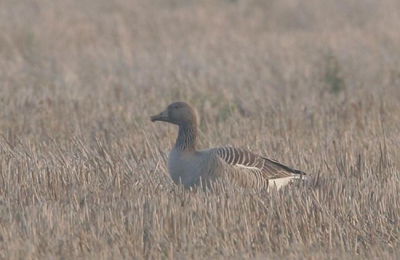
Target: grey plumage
{"type": "Point", "coordinates": [190, 167]}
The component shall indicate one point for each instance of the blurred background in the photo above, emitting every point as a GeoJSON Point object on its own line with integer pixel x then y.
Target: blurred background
{"type": "Point", "coordinates": [314, 84]}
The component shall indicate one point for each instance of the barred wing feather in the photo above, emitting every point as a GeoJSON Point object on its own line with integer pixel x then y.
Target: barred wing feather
{"type": "Point", "coordinates": [258, 165]}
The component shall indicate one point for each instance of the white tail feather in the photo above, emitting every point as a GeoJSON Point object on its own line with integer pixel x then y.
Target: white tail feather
{"type": "Point", "coordinates": [280, 182]}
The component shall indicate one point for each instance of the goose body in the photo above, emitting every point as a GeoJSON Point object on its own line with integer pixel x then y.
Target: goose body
{"type": "Point", "coordinates": [191, 167]}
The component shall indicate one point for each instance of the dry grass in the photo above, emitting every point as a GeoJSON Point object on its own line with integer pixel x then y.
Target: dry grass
{"type": "Point", "coordinates": [314, 84]}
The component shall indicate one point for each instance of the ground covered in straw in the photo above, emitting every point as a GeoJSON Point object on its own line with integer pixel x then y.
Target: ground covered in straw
{"type": "Point", "coordinates": [313, 84]}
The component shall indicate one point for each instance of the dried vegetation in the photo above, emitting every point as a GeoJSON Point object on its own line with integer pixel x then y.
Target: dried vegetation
{"type": "Point", "coordinates": [314, 84]}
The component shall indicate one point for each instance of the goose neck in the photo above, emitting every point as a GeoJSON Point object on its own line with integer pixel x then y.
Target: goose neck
{"type": "Point", "coordinates": [187, 136]}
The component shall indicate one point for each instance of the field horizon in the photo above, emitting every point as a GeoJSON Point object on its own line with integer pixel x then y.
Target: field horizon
{"type": "Point", "coordinates": [314, 85]}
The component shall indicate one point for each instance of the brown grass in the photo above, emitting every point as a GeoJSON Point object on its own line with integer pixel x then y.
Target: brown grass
{"type": "Point", "coordinates": [314, 84]}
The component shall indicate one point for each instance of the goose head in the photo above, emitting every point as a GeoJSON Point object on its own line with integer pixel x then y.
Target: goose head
{"type": "Point", "coordinates": [178, 113]}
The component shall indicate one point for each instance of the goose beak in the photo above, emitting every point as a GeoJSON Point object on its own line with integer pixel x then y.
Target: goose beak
{"type": "Point", "coordinates": [163, 116]}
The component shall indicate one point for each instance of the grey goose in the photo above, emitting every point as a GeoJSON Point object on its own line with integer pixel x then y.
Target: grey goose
{"type": "Point", "coordinates": [191, 167]}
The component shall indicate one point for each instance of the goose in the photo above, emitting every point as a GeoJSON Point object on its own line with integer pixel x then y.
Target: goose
{"type": "Point", "coordinates": [190, 167]}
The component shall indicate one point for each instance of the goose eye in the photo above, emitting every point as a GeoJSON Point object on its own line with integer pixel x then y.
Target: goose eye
{"type": "Point", "coordinates": [176, 107]}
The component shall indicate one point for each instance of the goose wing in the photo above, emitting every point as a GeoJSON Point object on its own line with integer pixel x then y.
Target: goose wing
{"type": "Point", "coordinates": [255, 164]}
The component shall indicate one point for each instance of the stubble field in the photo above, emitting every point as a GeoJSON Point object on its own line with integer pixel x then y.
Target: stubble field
{"type": "Point", "coordinates": [313, 84]}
